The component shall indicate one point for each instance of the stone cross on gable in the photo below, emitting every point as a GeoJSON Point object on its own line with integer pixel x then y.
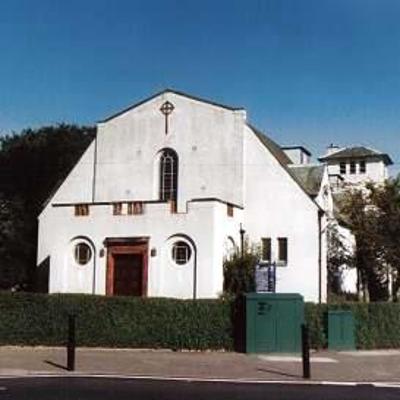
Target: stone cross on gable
{"type": "Point", "coordinates": [167, 109]}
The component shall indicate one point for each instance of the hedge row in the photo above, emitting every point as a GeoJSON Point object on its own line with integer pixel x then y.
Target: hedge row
{"type": "Point", "coordinates": [377, 325]}
{"type": "Point", "coordinates": [34, 319]}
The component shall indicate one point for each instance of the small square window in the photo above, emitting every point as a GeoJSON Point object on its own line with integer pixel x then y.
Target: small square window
{"type": "Point", "coordinates": [352, 167]}
{"type": "Point", "coordinates": [81, 210]}
{"type": "Point", "coordinates": [266, 249]}
{"type": "Point", "coordinates": [282, 250]}
{"type": "Point", "coordinates": [343, 168]}
{"type": "Point", "coordinates": [363, 167]}
{"type": "Point", "coordinates": [117, 208]}
{"type": "Point", "coordinates": [229, 210]}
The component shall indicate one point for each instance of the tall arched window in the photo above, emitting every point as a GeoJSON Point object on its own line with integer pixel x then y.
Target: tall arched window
{"type": "Point", "coordinates": [169, 175]}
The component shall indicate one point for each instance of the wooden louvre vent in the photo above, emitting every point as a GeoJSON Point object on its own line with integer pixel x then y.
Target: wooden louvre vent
{"type": "Point", "coordinates": [135, 208]}
{"type": "Point", "coordinates": [81, 210]}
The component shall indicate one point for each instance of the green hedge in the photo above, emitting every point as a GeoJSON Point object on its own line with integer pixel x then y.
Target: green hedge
{"type": "Point", "coordinates": [377, 325]}
{"type": "Point", "coordinates": [35, 319]}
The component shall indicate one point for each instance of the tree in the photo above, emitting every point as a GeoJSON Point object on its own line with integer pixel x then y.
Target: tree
{"type": "Point", "coordinates": [386, 203]}
{"type": "Point", "coordinates": [374, 218]}
{"type": "Point", "coordinates": [239, 270]}
{"type": "Point", "coordinates": [32, 163]}
{"type": "Point", "coordinates": [338, 257]}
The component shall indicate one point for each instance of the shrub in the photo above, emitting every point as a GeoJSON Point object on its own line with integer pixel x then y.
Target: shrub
{"type": "Point", "coordinates": [239, 271]}
{"type": "Point", "coordinates": [33, 319]}
{"type": "Point", "coordinates": [377, 325]}
{"type": "Point", "coordinates": [37, 319]}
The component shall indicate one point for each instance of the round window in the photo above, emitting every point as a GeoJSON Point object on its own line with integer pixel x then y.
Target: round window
{"type": "Point", "coordinates": [83, 253]}
{"type": "Point", "coordinates": [181, 252]}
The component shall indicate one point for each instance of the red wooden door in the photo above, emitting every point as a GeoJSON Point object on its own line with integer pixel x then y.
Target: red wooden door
{"type": "Point", "coordinates": [128, 270]}
{"type": "Point", "coordinates": [127, 267]}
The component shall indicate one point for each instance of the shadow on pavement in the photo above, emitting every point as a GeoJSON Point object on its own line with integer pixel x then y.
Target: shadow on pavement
{"type": "Point", "coordinates": [272, 371]}
{"type": "Point", "coordinates": [56, 365]}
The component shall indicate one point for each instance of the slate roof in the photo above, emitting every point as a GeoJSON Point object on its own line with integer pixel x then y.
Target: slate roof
{"type": "Point", "coordinates": [357, 152]}
{"type": "Point", "coordinates": [189, 96]}
{"type": "Point", "coordinates": [281, 157]}
{"type": "Point", "coordinates": [310, 177]}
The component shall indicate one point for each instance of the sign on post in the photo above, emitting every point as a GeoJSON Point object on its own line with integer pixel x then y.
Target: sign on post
{"type": "Point", "coordinates": [265, 277]}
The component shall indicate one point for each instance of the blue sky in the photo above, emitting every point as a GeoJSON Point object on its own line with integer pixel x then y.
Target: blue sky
{"type": "Point", "coordinates": [309, 72]}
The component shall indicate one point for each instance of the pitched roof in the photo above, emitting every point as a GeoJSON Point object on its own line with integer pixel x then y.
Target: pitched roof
{"type": "Point", "coordinates": [357, 152]}
{"type": "Point", "coordinates": [310, 176]}
{"type": "Point", "coordinates": [281, 157]}
{"type": "Point", "coordinates": [273, 147]}
{"type": "Point", "coordinates": [189, 96]}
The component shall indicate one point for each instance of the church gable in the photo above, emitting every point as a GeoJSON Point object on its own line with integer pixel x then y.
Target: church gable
{"type": "Point", "coordinates": [208, 139]}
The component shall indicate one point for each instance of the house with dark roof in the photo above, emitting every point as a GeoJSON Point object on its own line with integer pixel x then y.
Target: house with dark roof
{"type": "Point", "coordinates": [168, 189]}
{"type": "Point", "coordinates": [355, 166]}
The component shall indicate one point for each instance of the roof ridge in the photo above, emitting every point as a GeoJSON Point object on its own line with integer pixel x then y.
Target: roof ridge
{"type": "Point", "coordinates": [284, 161]}
{"type": "Point", "coordinates": [169, 90]}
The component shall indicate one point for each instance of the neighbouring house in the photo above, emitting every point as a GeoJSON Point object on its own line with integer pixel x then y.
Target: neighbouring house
{"type": "Point", "coordinates": [161, 195]}
{"type": "Point", "coordinates": [351, 168]}
{"type": "Point", "coordinates": [355, 166]}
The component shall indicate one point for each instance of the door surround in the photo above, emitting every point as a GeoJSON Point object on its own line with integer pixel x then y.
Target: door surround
{"type": "Point", "coordinates": [134, 245]}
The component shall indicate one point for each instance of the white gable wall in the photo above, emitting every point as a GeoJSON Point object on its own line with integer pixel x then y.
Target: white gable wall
{"type": "Point", "coordinates": [276, 206]}
{"type": "Point", "coordinates": [207, 139]}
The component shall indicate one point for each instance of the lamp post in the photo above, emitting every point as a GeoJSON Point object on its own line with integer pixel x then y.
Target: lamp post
{"type": "Point", "coordinates": [242, 232]}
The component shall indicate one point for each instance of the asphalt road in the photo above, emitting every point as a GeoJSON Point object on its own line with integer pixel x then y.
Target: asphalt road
{"type": "Point", "coordinates": [79, 388]}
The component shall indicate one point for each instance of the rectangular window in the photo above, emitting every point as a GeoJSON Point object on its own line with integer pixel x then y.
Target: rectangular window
{"type": "Point", "coordinates": [81, 210]}
{"type": "Point", "coordinates": [352, 167]}
{"type": "Point", "coordinates": [135, 208]}
{"type": "Point", "coordinates": [266, 249]}
{"type": "Point", "coordinates": [283, 250]}
{"type": "Point", "coordinates": [229, 210]}
{"type": "Point", "coordinates": [343, 168]}
{"type": "Point", "coordinates": [363, 167]}
{"type": "Point", "coordinates": [117, 209]}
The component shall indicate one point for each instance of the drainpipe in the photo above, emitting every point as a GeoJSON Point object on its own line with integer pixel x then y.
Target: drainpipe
{"type": "Point", "coordinates": [94, 169]}
{"type": "Point", "coordinates": [320, 214]}
{"type": "Point", "coordinates": [195, 274]}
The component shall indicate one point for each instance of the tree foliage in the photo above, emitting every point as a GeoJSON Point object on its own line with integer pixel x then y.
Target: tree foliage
{"type": "Point", "coordinates": [32, 163]}
{"type": "Point", "coordinates": [239, 271]}
{"type": "Point", "coordinates": [374, 217]}
{"type": "Point", "coordinates": [338, 258]}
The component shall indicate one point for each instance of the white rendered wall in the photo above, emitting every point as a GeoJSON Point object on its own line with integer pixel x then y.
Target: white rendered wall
{"type": "Point", "coordinates": [219, 157]}
{"type": "Point", "coordinates": [376, 171]}
{"type": "Point", "coordinates": [275, 206]}
{"type": "Point", "coordinates": [298, 156]}
{"type": "Point", "coordinates": [205, 223]}
{"type": "Point", "coordinates": [207, 139]}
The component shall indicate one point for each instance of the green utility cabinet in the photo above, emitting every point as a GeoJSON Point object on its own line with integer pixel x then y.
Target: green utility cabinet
{"type": "Point", "coordinates": [273, 322]}
{"type": "Point", "coordinates": [341, 330]}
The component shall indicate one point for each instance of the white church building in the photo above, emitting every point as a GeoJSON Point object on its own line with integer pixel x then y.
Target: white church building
{"type": "Point", "coordinates": [159, 199]}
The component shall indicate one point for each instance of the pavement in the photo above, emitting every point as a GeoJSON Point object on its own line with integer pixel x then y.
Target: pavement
{"type": "Point", "coordinates": [359, 366]}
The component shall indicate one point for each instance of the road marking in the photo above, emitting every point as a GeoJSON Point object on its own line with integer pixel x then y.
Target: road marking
{"type": "Point", "coordinates": [3, 389]}
{"type": "Point", "coordinates": [297, 359]}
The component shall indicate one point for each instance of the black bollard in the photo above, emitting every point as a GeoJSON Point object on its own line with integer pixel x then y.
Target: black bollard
{"type": "Point", "coordinates": [305, 345]}
{"type": "Point", "coordinates": [71, 344]}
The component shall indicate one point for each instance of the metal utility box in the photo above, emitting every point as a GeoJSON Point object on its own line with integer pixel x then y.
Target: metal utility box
{"type": "Point", "coordinates": [341, 330]}
{"type": "Point", "coordinates": [273, 322]}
